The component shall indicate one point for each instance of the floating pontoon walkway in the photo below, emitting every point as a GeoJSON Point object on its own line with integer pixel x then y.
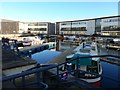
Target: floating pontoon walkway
{"type": "Point", "coordinates": [11, 60]}
{"type": "Point", "coordinates": [62, 57]}
{"type": "Point", "coordinates": [37, 48]}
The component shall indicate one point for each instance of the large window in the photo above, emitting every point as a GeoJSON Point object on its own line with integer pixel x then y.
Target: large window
{"type": "Point", "coordinates": [37, 29]}
{"type": "Point", "coordinates": [66, 23]}
{"type": "Point", "coordinates": [112, 28]}
{"type": "Point", "coordinates": [33, 24]}
{"type": "Point", "coordinates": [79, 29]}
{"type": "Point", "coordinates": [42, 24]}
{"type": "Point", "coordinates": [65, 29]}
{"type": "Point", "coordinates": [78, 22]}
{"type": "Point", "coordinates": [98, 25]}
{"type": "Point", "coordinates": [82, 22]}
{"type": "Point", "coordinates": [111, 20]}
{"type": "Point", "coordinates": [37, 24]}
{"type": "Point", "coordinates": [42, 29]}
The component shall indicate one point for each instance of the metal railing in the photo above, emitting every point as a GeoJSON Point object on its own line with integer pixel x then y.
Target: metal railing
{"type": "Point", "coordinates": [38, 70]}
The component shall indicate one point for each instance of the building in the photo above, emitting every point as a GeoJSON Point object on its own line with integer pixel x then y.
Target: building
{"type": "Point", "coordinates": [23, 27]}
{"type": "Point", "coordinates": [17, 27]}
{"type": "Point", "coordinates": [110, 26]}
{"type": "Point", "coordinates": [37, 27]}
{"type": "Point", "coordinates": [104, 26]}
{"type": "Point", "coordinates": [9, 27]}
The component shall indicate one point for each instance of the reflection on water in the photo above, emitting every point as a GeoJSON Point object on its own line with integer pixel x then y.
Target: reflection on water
{"type": "Point", "coordinates": [45, 56]}
{"type": "Point", "coordinates": [112, 72]}
{"type": "Point", "coordinates": [109, 70]}
{"type": "Point", "coordinates": [104, 51]}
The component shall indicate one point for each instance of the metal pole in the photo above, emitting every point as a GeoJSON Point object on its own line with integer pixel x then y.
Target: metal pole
{"type": "Point", "coordinates": [38, 79]}
{"type": "Point", "coordinates": [23, 81]}
{"type": "Point", "coordinates": [58, 76]}
{"type": "Point", "coordinates": [30, 53]}
{"type": "Point", "coordinates": [77, 68]}
{"type": "Point", "coordinates": [14, 81]}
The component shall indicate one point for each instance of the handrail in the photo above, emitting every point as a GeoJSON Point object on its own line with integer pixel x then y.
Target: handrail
{"type": "Point", "coordinates": [46, 86]}
{"type": "Point", "coordinates": [27, 72]}
{"type": "Point", "coordinates": [39, 66]}
{"type": "Point", "coordinates": [88, 57]}
{"type": "Point", "coordinates": [5, 78]}
{"type": "Point", "coordinates": [50, 67]}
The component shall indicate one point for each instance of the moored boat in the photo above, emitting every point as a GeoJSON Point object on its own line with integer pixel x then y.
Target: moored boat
{"type": "Point", "coordinates": [91, 65]}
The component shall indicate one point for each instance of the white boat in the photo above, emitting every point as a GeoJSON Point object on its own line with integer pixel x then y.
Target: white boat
{"type": "Point", "coordinates": [87, 64]}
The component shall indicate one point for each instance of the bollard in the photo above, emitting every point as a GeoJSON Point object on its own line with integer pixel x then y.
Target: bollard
{"type": "Point", "coordinates": [30, 53]}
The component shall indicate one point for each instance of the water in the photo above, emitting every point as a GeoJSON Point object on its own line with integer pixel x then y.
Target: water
{"type": "Point", "coordinates": [104, 51]}
{"type": "Point", "coordinates": [45, 56]}
{"type": "Point", "coordinates": [112, 73]}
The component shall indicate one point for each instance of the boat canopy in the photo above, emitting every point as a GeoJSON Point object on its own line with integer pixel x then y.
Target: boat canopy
{"type": "Point", "coordinates": [82, 61]}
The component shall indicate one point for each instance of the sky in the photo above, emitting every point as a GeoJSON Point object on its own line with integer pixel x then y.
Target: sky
{"type": "Point", "coordinates": [56, 11]}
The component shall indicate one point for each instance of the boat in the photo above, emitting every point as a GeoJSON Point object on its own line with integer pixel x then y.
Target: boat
{"type": "Point", "coordinates": [92, 65]}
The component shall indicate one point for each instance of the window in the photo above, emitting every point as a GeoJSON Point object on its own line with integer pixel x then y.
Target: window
{"type": "Point", "coordinates": [93, 48]}
{"type": "Point", "coordinates": [42, 24]}
{"type": "Point", "coordinates": [66, 23]}
{"type": "Point", "coordinates": [82, 22]}
{"type": "Point", "coordinates": [65, 29]}
{"type": "Point", "coordinates": [98, 20]}
{"type": "Point", "coordinates": [32, 24]}
{"type": "Point", "coordinates": [74, 23]}
{"type": "Point", "coordinates": [111, 20]}
{"type": "Point", "coordinates": [42, 29]}
{"type": "Point", "coordinates": [79, 29]}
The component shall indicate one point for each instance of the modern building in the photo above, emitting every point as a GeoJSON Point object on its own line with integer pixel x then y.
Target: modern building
{"type": "Point", "coordinates": [9, 27]}
{"type": "Point", "coordinates": [104, 26]}
{"type": "Point", "coordinates": [110, 26]}
{"type": "Point", "coordinates": [17, 27]}
{"type": "Point", "coordinates": [23, 27]}
{"type": "Point", "coordinates": [37, 27]}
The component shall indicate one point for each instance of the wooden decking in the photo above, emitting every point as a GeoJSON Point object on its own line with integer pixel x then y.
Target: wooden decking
{"type": "Point", "coordinates": [62, 57]}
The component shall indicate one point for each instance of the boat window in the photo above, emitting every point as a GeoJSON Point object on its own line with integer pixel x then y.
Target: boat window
{"type": "Point", "coordinates": [84, 51]}
{"type": "Point", "coordinates": [99, 68]}
{"type": "Point", "coordinates": [94, 63]}
{"type": "Point", "coordinates": [92, 68]}
{"type": "Point", "coordinates": [68, 58]}
{"type": "Point", "coordinates": [93, 47]}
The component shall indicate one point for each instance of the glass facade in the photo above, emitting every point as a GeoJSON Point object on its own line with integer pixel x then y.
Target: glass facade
{"type": "Point", "coordinates": [111, 28]}
{"type": "Point", "coordinates": [37, 24]}
{"type": "Point", "coordinates": [79, 29]}
{"type": "Point", "coordinates": [37, 29]}
{"type": "Point", "coordinates": [76, 27]}
{"type": "Point", "coordinates": [103, 26]}
{"type": "Point", "coordinates": [98, 25]}
{"type": "Point", "coordinates": [111, 24]}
